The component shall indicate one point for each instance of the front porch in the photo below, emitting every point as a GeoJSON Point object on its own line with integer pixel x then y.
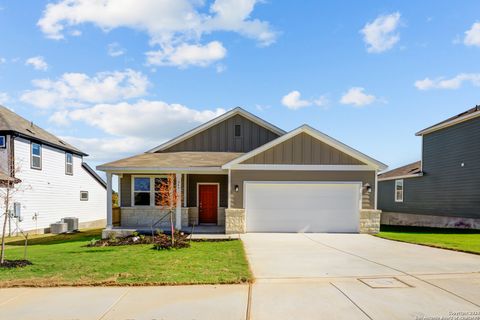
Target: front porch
{"type": "Point", "coordinates": [200, 203]}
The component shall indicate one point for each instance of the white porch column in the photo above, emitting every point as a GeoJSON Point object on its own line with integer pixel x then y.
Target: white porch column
{"type": "Point", "coordinates": [178, 212]}
{"type": "Point", "coordinates": [109, 200]}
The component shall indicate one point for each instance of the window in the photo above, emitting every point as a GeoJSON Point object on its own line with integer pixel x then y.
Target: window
{"type": "Point", "coordinates": [238, 130]}
{"type": "Point", "coordinates": [141, 191]}
{"type": "Point", "coordinates": [83, 195]}
{"type": "Point", "coordinates": [68, 163]}
{"type": "Point", "coordinates": [398, 190]}
{"type": "Point", "coordinates": [2, 142]}
{"type": "Point", "coordinates": [36, 156]}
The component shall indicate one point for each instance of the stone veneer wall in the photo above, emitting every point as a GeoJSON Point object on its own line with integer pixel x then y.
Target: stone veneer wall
{"type": "Point", "coordinates": [235, 221]}
{"type": "Point", "coordinates": [423, 220]}
{"type": "Point", "coordinates": [370, 221]}
{"type": "Point", "coordinates": [137, 217]}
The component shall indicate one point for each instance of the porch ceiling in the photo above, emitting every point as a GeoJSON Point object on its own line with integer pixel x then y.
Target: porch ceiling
{"type": "Point", "coordinates": [171, 160]}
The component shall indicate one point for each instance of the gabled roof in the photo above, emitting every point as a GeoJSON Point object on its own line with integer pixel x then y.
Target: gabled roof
{"type": "Point", "coordinates": [407, 171]}
{"type": "Point", "coordinates": [182, 160]}
{"type": "Point", "coordinates": [316, 134]}
{"type": "Point", "coordinates": [211, 123]}
{"type": "Point", "coordinates": [10, 121]}
{"type": "Point", "coordinates": [464, 116]}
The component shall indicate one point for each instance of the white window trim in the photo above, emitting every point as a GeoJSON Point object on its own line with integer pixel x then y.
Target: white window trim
{"type": "Point", "coordinates": [208, 183]}
{"type": "Point", "coordinates": [67, 163]}
{"type": "Point", "coordinates": [395, 190]}
{"type": "Point", "coordinates": [32, 156]}
{"type": "Point", "coordinates": [4, 144]}
{"type": "Point", "coordinates": [82, 191]}
{"type": "Point", "coordinates": [152, 190]}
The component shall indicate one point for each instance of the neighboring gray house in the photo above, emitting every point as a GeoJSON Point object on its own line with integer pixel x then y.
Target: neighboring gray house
{"type": "Point", "coordinates": [238, 173]}
{"type": "Point", "coordinates": [442, 190]}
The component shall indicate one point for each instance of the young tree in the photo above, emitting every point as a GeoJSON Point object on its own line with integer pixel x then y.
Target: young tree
{"type": "Point", "coordinates": [9, 186]}
{"type": "Point", "coordinates": [167, 194]}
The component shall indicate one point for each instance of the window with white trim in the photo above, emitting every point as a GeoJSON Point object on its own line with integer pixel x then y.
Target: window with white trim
{"type": "Point", "coordinates": [68, 163]}
{"type": "Point", "coordinates": [399, 190]}
{"type": "Point", "coordinates": [83, 195]}
{"type": "Point", "coordinates": [36, 156]}
{"type": "Point", "coordinates": [141, 191]}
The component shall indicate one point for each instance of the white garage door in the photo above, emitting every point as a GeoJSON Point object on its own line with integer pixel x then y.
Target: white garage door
{"type": "Point", "coordinates": [302, 206]}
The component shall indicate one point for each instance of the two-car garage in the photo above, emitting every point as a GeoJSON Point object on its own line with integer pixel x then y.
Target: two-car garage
{"type": "Point", "coordinates": [302, 206]}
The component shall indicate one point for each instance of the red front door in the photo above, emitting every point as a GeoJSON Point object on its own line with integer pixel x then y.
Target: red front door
{"type": "Point", "coordinates": [207, 203]}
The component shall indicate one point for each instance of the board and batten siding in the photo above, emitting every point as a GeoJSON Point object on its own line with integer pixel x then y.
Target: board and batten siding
{"type": "Point", "coordinates": [302, 149]}
{"type": "Point", "coordinates": [447, 188]}
{"type": "Point", "coordinates": [238, 177]}
{"type": "Point", "coordinates": [51, 193]}
{"type": "Point", "coordinates": [221, 137]}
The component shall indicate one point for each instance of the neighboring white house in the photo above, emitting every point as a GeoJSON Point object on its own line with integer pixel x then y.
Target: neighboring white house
{"type": "Point", "coordinates": [55, 182]}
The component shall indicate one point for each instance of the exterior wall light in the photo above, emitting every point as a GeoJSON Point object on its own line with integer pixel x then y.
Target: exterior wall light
{"type": "Point", "coordinates": [368, 188]}
{"type": "Point", "coordinates": [236, 188]}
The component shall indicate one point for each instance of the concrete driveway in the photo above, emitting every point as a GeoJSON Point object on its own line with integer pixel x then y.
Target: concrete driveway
{"type": "Point", "coordinates": [299, 276]}
{"type": "Point", "coordinates": [352, 276]}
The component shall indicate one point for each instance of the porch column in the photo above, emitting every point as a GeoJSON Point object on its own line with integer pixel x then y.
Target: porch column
{"type": "Point", "coordinates": [109, 200]}
{"type": "Point", "coordinates": [178, 212]}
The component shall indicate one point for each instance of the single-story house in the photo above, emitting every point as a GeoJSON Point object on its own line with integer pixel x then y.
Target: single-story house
{"type": "Point", "coordinates": [239, 173]}
{"type": "Point", "coordinates": [443, 189]}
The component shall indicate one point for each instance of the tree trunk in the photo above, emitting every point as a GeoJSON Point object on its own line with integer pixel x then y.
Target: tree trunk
{"type": "Point", "coordinates": [2, 258]}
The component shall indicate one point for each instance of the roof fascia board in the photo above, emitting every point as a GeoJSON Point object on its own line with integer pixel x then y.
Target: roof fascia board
{"type": "Point", "coordinates": [215, 121]}
{"type": "Point", "coordinates": [305, 167]}
{"type": "Point", "coordinates": [448, 124]}
{"type": "Point", "coordinates": [162, 169]}
{"type": "Point", "coordinates": [316, 134]}
{"type": "Point", "coordinates": [401, 177]}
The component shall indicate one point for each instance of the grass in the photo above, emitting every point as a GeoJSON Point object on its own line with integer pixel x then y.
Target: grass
{"type": "Point", "coordinates": [454, 239]}
{"type": "Point", "coordinates": [64, 260]}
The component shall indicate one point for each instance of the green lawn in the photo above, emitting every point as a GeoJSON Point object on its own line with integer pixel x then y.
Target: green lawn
{"type": "Point", "coordinates": [455, 239]}
{"type": "Point", "coordinates": [64, 260]}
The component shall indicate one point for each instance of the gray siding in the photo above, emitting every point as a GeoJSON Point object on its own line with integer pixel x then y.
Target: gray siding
{"type": "Point", "coordinates": [447, 188]}
{"type": "Point", "coordinates": [221, 137]}
{"type": "Point", "coordinates": [239, 176]}
{"type": "Point", "coordinates": [302, 149]}
{"type": "Point", "coordinates": [193, 179]}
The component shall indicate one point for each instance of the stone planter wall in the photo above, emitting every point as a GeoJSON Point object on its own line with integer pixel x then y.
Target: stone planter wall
{"type": "Point", "coordinates": [235, 221]}
{"type": "Point", "coordinates": [370, 221]}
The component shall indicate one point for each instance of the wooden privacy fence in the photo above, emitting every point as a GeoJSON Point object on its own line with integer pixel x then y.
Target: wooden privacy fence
{"type": "Point", "coordinates": [116, 217]}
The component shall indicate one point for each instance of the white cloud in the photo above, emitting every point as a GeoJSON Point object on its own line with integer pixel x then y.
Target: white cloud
{"type": "Point", "coordinates": [472, 36]}
{"type": "Point", "coordinates": [115, 50]}
{"type": "Point", "coordinates": [4, 98]}
{"type": "Point", "coordinates": [143, 118]}
{"type": "Point", "coordinates": [2, 60]}
{"type": "Point", "coordinates": [186, 54]}
{"type": "Point", "coordinates": [357, 97]}
{"type": "Point", "coordinates": [38, 63]}
{"type": "Point", "coordinates": [141, 125]}
{"type": "Point", "coordinates": [76, 89]}
{"type": "Point", "coordinates": [169, 23]}
{"type": "Point", "coordinates": [294, 101]}
{"type": "Point", "coordinates": [452, 83]}
{"type": "Point", "coordinates": [109, 149]}
{"type": "Point", "coordinates": [380, 34]}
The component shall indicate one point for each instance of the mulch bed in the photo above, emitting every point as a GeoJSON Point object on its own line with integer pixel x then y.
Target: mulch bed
{"type": "Point", "coordinates": [9, 264]}
{"type": "Point", "coordinates": [159, 241]}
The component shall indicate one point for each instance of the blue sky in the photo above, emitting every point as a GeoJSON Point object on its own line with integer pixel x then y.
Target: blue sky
{"type": "Point", "coordinates": [118, 79]}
